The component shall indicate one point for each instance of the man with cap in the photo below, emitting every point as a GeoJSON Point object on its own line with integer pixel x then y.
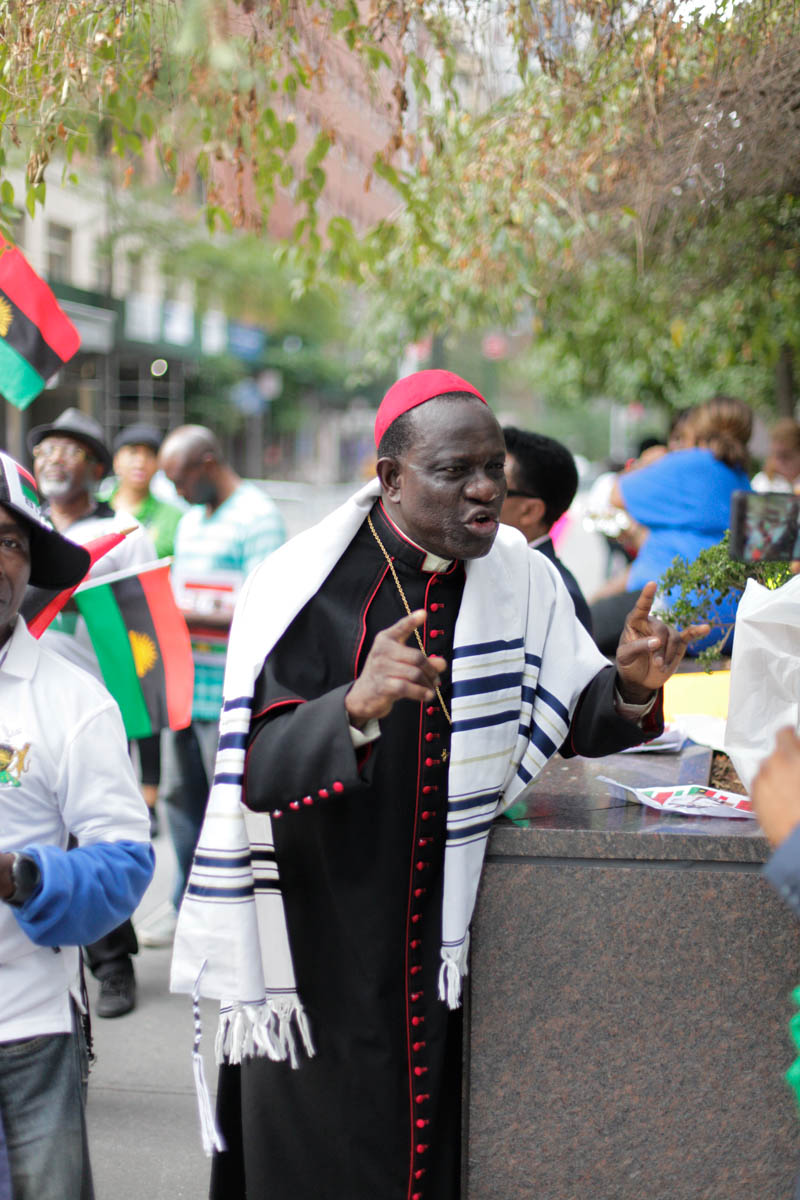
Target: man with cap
{"type": "Point", "coordinates": [135, 463]}
{"type": "Point", "coordinates": [395, 678]}
{"type": "Point", "coordinates": [66, 775]}
{"type": "Point", "coordinates": [70, 458]}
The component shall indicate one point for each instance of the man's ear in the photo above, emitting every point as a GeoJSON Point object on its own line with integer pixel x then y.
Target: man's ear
{"type": "Point", "coordinates": [389, 473]}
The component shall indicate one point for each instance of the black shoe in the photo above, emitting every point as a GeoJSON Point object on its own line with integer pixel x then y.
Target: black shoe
{"type": "Point", "coordinates": [117, 994]}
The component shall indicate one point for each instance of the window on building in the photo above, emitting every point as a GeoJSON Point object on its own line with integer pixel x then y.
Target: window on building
{"type": "Point", "coordinates": [59, 253]}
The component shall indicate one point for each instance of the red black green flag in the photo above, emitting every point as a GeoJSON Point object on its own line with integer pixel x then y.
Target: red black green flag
{"type": "Point", "coordinates": [36, 336]}
{"type": "Point", "coordinates": [142, 645]}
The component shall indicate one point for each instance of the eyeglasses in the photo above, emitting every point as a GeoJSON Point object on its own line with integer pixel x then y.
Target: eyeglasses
{"type": "Point", "coordinates": [510, 492]}
{"type": "Point", "coordinates": [70, 452]}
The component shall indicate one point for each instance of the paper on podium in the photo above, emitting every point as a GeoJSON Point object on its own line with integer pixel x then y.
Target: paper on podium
{"type": "Point", "coordinates": [691, 799]}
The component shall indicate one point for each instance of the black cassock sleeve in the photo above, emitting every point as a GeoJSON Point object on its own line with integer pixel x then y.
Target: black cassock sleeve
{"type": "Point", "coordinates": [300, 750]}
{"type": "Point", "coordinates": [598, 729]}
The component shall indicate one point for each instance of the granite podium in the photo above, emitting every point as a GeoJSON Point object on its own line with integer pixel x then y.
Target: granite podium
{"type": "Point", "coordinates": [627, 1017]}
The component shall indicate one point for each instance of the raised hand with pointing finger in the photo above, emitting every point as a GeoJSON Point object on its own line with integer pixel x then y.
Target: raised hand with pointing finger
{"type": "Point", "coordinates": [649, 650]}
{"type": "Point", "coordinates": [393, 671]}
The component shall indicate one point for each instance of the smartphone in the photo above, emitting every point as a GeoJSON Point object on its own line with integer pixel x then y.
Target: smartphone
{"type": "Point", "coordinates": [765, 526]}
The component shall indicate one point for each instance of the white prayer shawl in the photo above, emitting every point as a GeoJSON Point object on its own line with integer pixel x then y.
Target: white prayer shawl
{"type": "Point", "coordinates": [520, 662]}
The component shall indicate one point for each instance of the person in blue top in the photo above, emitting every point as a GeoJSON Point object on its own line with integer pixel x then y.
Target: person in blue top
{"type": "Point", "coordinates": [684, 502]}
{"type": "Point", "coordinates": [65, 779]}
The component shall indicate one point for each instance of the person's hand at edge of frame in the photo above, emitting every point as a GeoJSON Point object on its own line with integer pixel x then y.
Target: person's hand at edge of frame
{"type": "Point", "coordinates": [775, 791]}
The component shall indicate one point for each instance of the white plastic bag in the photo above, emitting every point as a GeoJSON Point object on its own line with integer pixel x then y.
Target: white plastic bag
{"type": "Point", "coordinates": [765, 673]}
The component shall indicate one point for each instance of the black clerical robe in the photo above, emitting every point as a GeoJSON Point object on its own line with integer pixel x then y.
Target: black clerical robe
{"type": "Point", "coordinates": [359, 841]}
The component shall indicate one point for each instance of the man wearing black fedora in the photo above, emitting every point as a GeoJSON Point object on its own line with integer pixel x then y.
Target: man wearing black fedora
{"type": "Point", "coordinates": [70, 458]}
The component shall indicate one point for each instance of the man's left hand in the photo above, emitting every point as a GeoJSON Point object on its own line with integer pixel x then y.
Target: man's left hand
{"type": "Point", "coordinates": [649, 650]}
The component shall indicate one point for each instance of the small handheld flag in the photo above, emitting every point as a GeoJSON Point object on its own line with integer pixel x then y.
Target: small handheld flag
{"type": "Point", "coordinates": [36, 335]}
{"type": "Point", "coordinates": [142, 646]}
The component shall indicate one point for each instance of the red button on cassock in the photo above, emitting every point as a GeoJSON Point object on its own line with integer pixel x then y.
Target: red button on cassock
{"type": "Point", "coordinates": [431, 762]}
{"type": "Point", "coordinates": [415, 944]}
{"type": "Point", "coordinates": [415, 918]}
{"type": "Point", "coordinates": [420, 1098]}
{"type": "Point", "coordinates": [416, 1196]}
{"type": "Point", "coordinates": [420, 1071]}
{"type": "Point", "coordinates": [421, 1148]}
{"type": "Point", "coordinates": [415, 996]}
{"type": "Point", "coordinates": [277, 813]}
{"type": "Point", "coordinates": [419, 1046]}
{"type": "Point", "coordinates": [338, 786]}
{"type": "Point", "coordinates": [421, 1122]}
{"type": "Point", "coordinates": [417, 1021]}
{"type": "Point", "coordinates": [295, 804]}
{"type": "Point", "coordinates": [323, 793]}
{"type": "Point", "coordinates": [430, 710]}
{"type": "Point", "coordinates": [421, 866]}
{"type": "Point", "coordinates": [418, 1174]}
{"type": "Point", "coordinates": [308, 800]}
{"type": "Point", "coordinates": [415, 970]}
{"type": "Point", "coordinates": [419, 892]}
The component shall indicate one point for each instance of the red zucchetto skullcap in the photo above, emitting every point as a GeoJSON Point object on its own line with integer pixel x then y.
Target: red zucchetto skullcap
{"type": "Point", "coordinates": [416, 389]}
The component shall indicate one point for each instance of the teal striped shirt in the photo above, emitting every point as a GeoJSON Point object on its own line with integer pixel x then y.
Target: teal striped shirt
{"type": "Point", "coordinates": [234, 539]}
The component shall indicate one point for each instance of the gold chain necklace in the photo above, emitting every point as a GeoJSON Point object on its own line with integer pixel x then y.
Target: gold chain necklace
{"type": "Point", "coordinates": [406, 605]}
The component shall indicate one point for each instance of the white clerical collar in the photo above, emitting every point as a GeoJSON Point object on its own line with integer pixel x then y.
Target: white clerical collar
{"type": "Point", "coordinates": [538, 541]}
{"type": "Point", "coordinates": [432, 563]}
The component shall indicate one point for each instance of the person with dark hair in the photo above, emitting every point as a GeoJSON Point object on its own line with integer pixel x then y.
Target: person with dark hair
{"type": "Point", "coordinates": [542, 481]}
{"type": "Point", "coordinates": [396, 676]}
{"type": "Point", "coordinates": [683, 500]}
{"type": "Point", "coordinates": [65, 775]}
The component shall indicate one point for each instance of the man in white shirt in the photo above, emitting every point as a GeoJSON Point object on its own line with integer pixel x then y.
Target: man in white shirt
{"type": "Point", "coordinates": [64, 773]}
{"type": "Point", "coordinates": [70, 458]}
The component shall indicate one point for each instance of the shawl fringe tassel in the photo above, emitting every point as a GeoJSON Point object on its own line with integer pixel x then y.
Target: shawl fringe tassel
{"type": "Point", "coordinates": [453, 969]}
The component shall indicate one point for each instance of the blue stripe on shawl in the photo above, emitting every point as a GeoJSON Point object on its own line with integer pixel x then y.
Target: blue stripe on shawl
{"type": "Point", "coordinates": [233, 741]}
{"type": "Point", "coordinates": [198, 889]}
{"type": "Point", "coordinates": [510, 714]}
{"type": "Point", "coordinates": [473, 802]}
{"type": "Point", "coordinates": [239, 702]}
{"type": "Point", "coordinates": [533, 659]}
{"type": "Point", "coordinates": [524, 774]}
{"type": "Point", "coordinates": [230, 777]}
{"type": "Point", "coordinates": [486, 648]}
{"type": "Point", "coordinates": [490, 683]}
{"type": "Point", "coordinates": [554, 703]}
{"type": "Point", "coordinates": [468, 831]}
{"type": "Point", "coordinates": [213, 860]}
{"type": "Point", "coordinates": [542, 742]}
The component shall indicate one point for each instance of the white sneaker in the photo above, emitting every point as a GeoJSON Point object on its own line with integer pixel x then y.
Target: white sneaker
{"type": "Point", "coordinates": [158, 929]}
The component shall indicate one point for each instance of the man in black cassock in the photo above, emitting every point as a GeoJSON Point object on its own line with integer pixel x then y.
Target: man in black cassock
{"type": "Point", "coordinates": [348, 751]}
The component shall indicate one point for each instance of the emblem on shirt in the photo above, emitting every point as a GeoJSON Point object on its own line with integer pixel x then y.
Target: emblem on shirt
{"type": "Point", "coordinates": [13, 763]}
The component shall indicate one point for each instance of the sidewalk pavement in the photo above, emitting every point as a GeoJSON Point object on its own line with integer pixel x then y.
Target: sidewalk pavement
{"type": "Point", "coordinates": [144, 1131]}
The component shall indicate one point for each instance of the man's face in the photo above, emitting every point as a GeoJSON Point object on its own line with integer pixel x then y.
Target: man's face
{"type": "Point", "coordinates": [135, 466]}
{"type": "Point", "coordinates": [15, 567]}
{"type": "Point", "coordinates": [190, 473]}
{"type": "Point", "coordinates": [447, 490]}
{"type": "Point", "coordinates": [521, 510]}
{"type": "Point", "coordinates": [65, 469]}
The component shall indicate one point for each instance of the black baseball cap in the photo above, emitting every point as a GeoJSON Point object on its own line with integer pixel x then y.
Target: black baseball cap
{"type": "Point", "coordinates": [140, 434]}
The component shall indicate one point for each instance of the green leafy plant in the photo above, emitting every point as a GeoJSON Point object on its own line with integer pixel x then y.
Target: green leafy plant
{"type": "Point", "coordinates": [706, 582]}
